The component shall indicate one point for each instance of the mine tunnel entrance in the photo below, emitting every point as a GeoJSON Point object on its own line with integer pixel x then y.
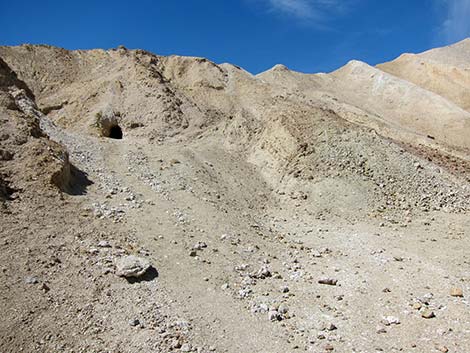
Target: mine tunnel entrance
{"type": "Point", "coordinates": [115, 132]}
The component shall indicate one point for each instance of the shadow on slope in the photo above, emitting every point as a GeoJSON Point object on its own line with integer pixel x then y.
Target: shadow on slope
{"type": "Point", "coordinates": [148, 276]}
{"type": "Point", "coordinates": [79, 182]}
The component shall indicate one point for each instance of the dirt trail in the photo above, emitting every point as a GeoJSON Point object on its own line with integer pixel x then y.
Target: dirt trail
{"type": "Point", "coordinates": [218, 319]}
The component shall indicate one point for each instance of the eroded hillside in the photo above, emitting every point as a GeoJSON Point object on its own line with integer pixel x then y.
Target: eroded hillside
{"type": "Point", "coordinates": [323, 212]}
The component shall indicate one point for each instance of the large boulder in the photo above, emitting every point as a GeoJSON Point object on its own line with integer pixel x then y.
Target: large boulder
{"type": "Point", "coordinates": [132, 266]}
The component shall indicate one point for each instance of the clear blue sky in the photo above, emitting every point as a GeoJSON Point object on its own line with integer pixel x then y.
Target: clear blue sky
{"type": "Point", "coordinates": [305, 35]}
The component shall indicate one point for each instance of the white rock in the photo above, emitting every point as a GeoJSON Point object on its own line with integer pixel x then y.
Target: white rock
{"type": "Point", "coordinates": [223, 236]}
{"type": "Point", "coordinates": [131, 266]}
{"type": "Point", "coordinates": [185, 347]}
{"type": "Point", "coordinates": [31, 280]}
{"type": "Point", "coordinates": [200, 245]}
{"type": "Point", "coordinates": [134, 322]}
{"type": "Point", "coordinates": [283, 309]}
{"type": "Point", "coordinates": [104, 244]}
{"type": "Point", "coordinates": [273, 315]}
{"type": "Point", "coordinates": [390, 320]}
{"type": "Point", "coordinates": [263, 308]}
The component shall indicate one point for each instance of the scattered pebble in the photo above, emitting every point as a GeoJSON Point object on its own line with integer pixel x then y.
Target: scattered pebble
{"type": "Point", "coordinates": [390, 320]}
{"type": "Point", "coordinates": [381, 330]}
{"type": "Point", "coordinates": [456, 292]}
{"type": "Point", "coordinates": [427, 314]}
{"type": "Point", "coordinates": [104, 244]}
{"type": "Point", "coordinates": [331, 327]}
{"type": "Point", "coordinates": [442, 349]}
{"type": "Point", "coordinates": [186, 347]}
{"type": "Point", "coordinates": [328, 281]}
{"type": "Point", "coordinates": [199, 246]}
{"type": "Point", "coordinates": [273, 315]}
{"type": "Point", "coordinates": [283, 309]}
{"type": "Point", "coordinates": [134, 322]}
{"type": "Point", "coordinates": [31, 280]}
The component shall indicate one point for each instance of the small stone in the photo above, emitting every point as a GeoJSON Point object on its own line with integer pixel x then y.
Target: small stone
{"type": "Point", "coordinates": [199, 245]}
{"type": "Point", "coordinates": [426, 299]}
{"type": "Point", "coordinates": [223, 236]}
{"type": "Point", "coordinates": [328, 281]}
{"type": "Point", "coordinates": [273, 315]}
{"type": "Point", "coordinates": [316, 254]}
{"type": "Point", "coordinates": [186, 347]}
{"type": "Point", "coordinates": [244, 293]}
{"type": "Point", "coordinates": [44, 287]}
{"type": "Point", "coordinates": [417, 306]}
{"type": "Point", "coordinates": [176, 344]}
{"type": "Point", "coordinates": [134, 322]}
{"type": "Point", "coordinates": [390, 320]}
{"type": "Point", "coordinates": [331, 327]}
{"type": "Point", "coordinates": [442, 349]}
{"type": "Point", "coordinates": [183, 324]}
{"type": "Point", "coordinates": [224, 286]}
{"type": "Point", "coordinates": [262, 308]}
{"type": "Point", "coordinates": [193, 253]}
{"type": "Point", "coordinates": [381, 330]}
{"type": "Point", "coordinates": [427, 314]}
{"type": "Point", "coordinates": [132, 266]}
{"type": "Point", "coordinates": [283, 309]}
{"type": "Point", "coordinates": [456, 292]}
{"type": "Point", "coordinates": [31, 280]}
{"type": "Point", "coordinates": [284, 289]}
{"type": "Point", "coordinates": [104, 244]}
{"type": "Point", "coordinates": [263, 273]}
{"type": "Point", "coordinates": [329, 348]}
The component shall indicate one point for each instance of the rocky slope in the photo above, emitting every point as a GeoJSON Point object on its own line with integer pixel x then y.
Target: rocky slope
{"type": "Point", "coordinates": [324, 212]}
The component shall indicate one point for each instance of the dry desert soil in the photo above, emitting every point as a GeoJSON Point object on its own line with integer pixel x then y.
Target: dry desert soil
{"type": "Point", "coordinates": [171, 204]}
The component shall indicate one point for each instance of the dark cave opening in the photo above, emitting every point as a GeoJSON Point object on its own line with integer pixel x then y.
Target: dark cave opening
{"type": "Point", "coordinates": [115, 132]}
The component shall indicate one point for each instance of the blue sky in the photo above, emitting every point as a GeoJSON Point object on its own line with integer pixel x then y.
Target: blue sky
{"type": "Point", "coordinates": [305, 35]}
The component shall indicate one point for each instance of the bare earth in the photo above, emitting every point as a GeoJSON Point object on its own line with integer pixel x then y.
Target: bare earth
{"type": "Point", "coordinates": [281, 212]}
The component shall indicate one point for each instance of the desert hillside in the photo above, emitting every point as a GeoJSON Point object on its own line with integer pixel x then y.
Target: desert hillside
{"type": "Point", "coordinates": [157, 204]}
